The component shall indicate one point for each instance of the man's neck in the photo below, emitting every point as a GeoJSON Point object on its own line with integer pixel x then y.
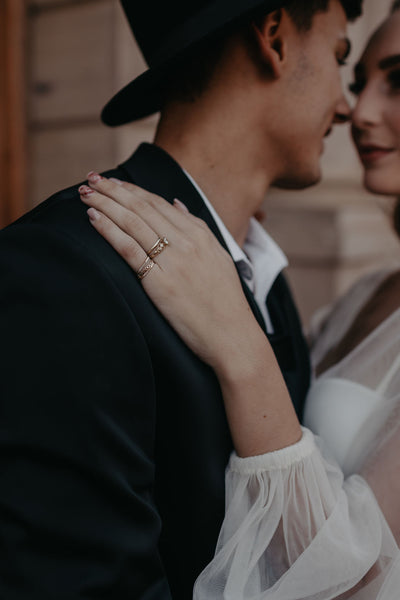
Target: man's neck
{"type": "Point", "coordinates": [226, 165]}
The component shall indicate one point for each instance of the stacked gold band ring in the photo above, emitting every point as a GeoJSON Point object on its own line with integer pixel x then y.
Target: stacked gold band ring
{"type": "Point", "coordinates": [155, 250]}
{"type": "Point", "coordinates": [158, 247]}
{"type": "Point", "coordinates": [145, 268]}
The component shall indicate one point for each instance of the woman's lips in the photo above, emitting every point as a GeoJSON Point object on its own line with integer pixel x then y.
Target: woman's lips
{"type": "Point", "coordinates": [370, 154]}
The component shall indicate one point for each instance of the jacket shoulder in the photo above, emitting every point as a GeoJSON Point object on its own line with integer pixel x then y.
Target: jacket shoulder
{"type": "Point", "coordinates": [58, 231]}
{"type": "Point", "coordinates": [63, 209]}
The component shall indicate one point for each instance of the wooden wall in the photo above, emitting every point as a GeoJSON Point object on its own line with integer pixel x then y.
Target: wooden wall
{"type": "Point", "coordinates": [71, 55]}
{"type": "Point", "coordinates": [13, 134]}
{"type": "Point", "coordinates": [78, 57]}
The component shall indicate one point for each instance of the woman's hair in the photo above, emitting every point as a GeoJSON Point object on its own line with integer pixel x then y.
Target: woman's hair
{"type": "Point", "coordinates": [396, 217]}
{"type": "Point", "coordinates": [396, 214]}
{"type": "Point", "coordinates": [396, 5]}
{"type": "Point", "coordinates": [303, 11]}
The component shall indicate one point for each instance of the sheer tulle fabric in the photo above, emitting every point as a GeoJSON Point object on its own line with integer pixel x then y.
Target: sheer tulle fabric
{"type": "Point", "coordinates": [375, 366]}
{"type": "Point", "coordinates": [295, 528]}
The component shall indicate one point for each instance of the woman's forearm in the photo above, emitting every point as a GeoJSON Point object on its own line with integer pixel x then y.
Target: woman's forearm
{"type": "Point", "coordinates": [258, 406]}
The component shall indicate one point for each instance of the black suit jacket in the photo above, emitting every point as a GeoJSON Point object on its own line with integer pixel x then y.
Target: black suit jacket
{"type": "Point", "coordinates": [113, 436]}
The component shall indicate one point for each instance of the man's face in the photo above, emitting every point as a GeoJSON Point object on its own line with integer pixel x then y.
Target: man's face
{"type": "Point", "coordinates": [313, 96]}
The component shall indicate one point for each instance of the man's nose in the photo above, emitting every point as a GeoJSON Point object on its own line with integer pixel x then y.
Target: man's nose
{"type": "Point", "coordinates": [343, 111]}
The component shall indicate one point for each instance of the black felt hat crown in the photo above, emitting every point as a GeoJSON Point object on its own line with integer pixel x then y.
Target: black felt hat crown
{"type": "Point", "coordinates": [165, 30]}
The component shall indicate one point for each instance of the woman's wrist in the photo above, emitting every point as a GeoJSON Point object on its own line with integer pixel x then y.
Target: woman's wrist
{"type": "Point", "coordinates": [243, 356]}
{"type": "Point", "coordinates": [257, 402]}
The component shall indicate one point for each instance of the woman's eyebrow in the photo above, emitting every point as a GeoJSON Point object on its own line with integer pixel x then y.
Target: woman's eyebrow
{"type": "Point", "coordinates": [389, 61]}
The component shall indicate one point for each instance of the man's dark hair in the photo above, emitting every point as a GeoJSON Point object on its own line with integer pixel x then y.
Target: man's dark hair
{"type": "Point", "coordinates": [303, 11]}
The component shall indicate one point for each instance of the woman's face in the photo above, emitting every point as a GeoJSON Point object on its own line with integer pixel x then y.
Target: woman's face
{"type": "Point", "coordinates": [376, 116]}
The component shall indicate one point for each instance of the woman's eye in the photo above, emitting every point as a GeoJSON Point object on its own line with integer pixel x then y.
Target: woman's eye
{"type": "Point", "coordinates": [356, 87]}
{"type": "Point", "coordinates": [394, 80]}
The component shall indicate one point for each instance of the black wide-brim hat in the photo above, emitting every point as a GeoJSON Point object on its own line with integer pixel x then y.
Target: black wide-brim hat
{"type": "Point", "coordinates": [165, 30]}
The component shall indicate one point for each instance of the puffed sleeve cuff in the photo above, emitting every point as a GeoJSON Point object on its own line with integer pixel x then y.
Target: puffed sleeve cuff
{"type": "Point", "coordinates": [278, 460]}
{"type": "Point", "coordinates": [295, 529]}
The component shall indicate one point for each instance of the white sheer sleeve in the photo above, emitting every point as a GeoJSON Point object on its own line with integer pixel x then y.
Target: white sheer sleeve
{"type": "Point", "coordinates": [295, 530]}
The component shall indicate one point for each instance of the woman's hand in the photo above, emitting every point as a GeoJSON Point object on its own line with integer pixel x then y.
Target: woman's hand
{"type": "Point", "coordinates": [195, 285]}
{"type": "Point", "coordinates": [193, 282]}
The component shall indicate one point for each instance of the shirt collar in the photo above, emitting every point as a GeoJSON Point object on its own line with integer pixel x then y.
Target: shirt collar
{"type": "Point", "coordinates": [260, 252]}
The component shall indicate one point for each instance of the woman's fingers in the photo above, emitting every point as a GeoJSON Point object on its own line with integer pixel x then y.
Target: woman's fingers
{"type": "Point", "coordinates": [140, 201]}
{"type": "Point", "coordinates": [193, 282]}
{"type": "Point", "coordinates": [132, 224]}
{"type": "Point", "coordinates": [148, 218]}
{"type": "Point", "coordinates": [130, 250]}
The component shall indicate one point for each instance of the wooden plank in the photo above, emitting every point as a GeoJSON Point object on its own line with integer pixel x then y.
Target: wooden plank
{"type": "Point", "coordinates": [61, 158]}
{"type": "Point", "coordinates": [71, 61]}
{"type": "Point", "coordinates": [13, 140]}
{"type": "Point", "coordinates": [37, 5]}
{"type": "Point", "coordinates": [3, 113]}
{"type": "Point", "coordinates": [49, 4]}
{"type": "Point", "coordinates": [331, 226]}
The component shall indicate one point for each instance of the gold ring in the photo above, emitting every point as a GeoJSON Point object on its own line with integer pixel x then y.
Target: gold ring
{"type": "Point", "coordinates": [158, 247]}
{"type": "Point", "coordinates": [145, 268]}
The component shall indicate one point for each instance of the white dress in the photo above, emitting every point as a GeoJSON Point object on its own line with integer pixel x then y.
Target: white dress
{"type": "Point", "coordinates": [299, 524]}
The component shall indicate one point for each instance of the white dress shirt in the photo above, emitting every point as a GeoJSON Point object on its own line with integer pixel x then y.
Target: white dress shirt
{"type": "Point", "coordinates": [259, 262]}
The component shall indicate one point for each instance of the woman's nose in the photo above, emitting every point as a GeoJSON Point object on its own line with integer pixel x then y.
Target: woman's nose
{"type": "Point", "coordinates": [366, 110]}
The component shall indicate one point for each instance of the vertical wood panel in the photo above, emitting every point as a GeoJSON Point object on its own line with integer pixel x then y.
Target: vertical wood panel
{"type": "Point", "coordinates": [13, 137]}
{"type": "Point", "coordinates": [63, 157]}
{"type": "Point", "coordinates": [71, 62]}
{"type": "Point", "coordinates": [71, 76]}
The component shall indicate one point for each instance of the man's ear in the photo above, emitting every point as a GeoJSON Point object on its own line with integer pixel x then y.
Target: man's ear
{"type": "Point", "coordinates": [270, 38]}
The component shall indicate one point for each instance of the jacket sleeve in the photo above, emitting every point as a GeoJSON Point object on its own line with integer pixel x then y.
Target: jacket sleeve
{"type": "Point", "coordinates": [77, 420]}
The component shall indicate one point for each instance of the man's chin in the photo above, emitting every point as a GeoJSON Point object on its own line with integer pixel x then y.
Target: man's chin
{"type": "Point", "coordinates": [298, 183]}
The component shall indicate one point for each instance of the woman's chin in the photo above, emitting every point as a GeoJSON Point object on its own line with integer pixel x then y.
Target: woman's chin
{"type": "Point", "coordinates": [385, 184]}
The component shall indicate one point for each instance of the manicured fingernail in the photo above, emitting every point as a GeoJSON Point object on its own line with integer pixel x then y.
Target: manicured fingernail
{"type": "Point", "coordinates": [117, 181]}
{"type": "Point", "coordinates": [94, 177]}
{"type": "Point", "coordinates": [85, 190]}
{"type": "Point", "coordinates": [93, 214]}
{"type": "Point", "coordinates": [180, 205]}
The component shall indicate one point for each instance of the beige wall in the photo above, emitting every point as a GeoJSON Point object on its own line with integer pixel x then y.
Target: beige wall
{"type": "Point", "coordinates": [81, 52]}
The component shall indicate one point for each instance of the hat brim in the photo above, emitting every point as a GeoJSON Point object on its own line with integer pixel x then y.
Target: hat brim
{"type": "Point", "coordinates": [141, 98]}
{"type": "Point", "coordinates": [144, 95]}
